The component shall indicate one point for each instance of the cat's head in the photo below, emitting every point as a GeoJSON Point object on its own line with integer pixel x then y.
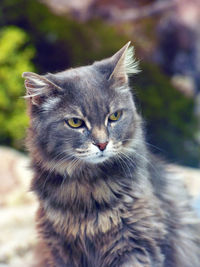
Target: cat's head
{"type": "Point", "coordinates": [84, 115]}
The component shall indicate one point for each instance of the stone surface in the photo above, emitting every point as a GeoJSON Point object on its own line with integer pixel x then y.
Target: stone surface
{"type": "Point", "coordinates": [17, 209]}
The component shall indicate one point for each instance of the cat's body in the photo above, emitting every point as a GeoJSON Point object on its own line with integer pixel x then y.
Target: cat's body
{"type": "Point", "coordinates": [105, 201]}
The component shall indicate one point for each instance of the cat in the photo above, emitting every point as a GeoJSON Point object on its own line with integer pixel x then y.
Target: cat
{"type": "Point", "coordinates": [104, 199]}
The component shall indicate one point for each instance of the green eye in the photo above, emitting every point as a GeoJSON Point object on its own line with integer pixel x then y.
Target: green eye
{"type": "Point", "coordinates": [115, 116]}
{"type": "Point", "coordinates": [75, 122]}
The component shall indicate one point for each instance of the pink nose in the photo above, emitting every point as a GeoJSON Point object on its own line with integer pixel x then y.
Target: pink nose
{"type": "Point", "coordinates": [102, 146]}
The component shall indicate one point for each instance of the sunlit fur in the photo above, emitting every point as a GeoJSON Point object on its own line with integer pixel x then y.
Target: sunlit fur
{"type": "Point", "coordinates": [111, 207]}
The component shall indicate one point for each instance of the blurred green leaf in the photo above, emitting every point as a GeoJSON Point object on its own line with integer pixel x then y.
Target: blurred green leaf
{"type": "Point", "coordinates": [169, 115]}
{"type": "Point", "coordinates": [15, 57]}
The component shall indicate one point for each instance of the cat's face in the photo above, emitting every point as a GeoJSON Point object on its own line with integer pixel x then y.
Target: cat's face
{"type": "Point", "coordinates": [87, 115]}
{"type": "Point", "coordinates": [90, 121]}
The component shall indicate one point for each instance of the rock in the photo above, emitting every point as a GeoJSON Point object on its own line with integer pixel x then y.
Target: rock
{"type": "Point", "coordinates": [17, 209]}
{"type": "Point", "coordinates": [15, 177]}
{"type": "Point", "coordinates": [190, 176]}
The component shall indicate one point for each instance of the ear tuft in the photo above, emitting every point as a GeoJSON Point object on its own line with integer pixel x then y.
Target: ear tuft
{"type": "Point", "coordinates": [131, 64]}
{"type": "Point", "coordinates": [37, 86]}
{"type": "Point", "coordinates": [124, 65]}
{"type": "Point", "coordinates": [34, 84]}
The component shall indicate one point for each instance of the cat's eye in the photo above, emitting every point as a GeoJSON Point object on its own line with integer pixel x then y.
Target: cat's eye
{"type": "Point", "coordinates": [115, 116]}
{"type": "Point", "coordinates": [75, 122]}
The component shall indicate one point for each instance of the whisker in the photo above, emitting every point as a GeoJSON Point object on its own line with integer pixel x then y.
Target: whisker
{"type": "Point", "coordinates": [141, 156]}
{"type": "Point", "coordinates": [73, 165]}
{"type": "Point", "coordinates": [147, 143]}
{"type": "Point", "coordinates": [126, 165]}
{"type": "Point", "coordinates": [118, 158]}
{"type": "Point", "coordinates": [130, 160]}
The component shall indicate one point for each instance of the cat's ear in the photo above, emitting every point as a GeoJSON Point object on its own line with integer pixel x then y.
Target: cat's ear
{"type": "Point", "coordinates": [123, 64]}
{"type": "Point", "coordinates": [37, 87]}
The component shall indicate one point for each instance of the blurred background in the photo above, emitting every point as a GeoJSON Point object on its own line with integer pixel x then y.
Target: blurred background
{"type": "Point", "coordinates": [52, 35]}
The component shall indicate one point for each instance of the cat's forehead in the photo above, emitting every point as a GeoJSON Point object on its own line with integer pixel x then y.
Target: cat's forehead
{"type": "Point", "coordinates": [83, 79]}
{"type": "Point", "coordinates": [88, 93]}
{"type": "Point", "coordinates": [86, 88]}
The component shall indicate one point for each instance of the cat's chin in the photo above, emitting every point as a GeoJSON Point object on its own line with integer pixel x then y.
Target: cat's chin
{"type": "Point", "coordinates": [97, 160]}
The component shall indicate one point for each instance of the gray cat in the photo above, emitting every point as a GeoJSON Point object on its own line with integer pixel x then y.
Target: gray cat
{"type": "Point", "coordinates": [104, 199]}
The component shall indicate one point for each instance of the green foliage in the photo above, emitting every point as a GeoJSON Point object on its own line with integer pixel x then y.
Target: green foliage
{"type": "Point", "coordinates": [15, 57]}
{"type": "Point", "coordinates": [170, 121]}
{"type": "Point", "coordinates": [60, 42]}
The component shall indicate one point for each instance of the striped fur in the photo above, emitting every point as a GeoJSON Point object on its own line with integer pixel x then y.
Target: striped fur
{"type": "Point", "coordinates": [123, 211]}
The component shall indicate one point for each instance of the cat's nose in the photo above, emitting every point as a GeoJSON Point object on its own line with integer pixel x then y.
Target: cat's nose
{"type": "Point", "coordinates": [102, 146]}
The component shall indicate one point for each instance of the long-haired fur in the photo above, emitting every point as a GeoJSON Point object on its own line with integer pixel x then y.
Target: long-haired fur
{"type": "Point", "coordinates": [112, 208]}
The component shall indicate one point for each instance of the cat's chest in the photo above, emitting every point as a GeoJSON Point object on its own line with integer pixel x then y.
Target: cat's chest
{"type": "Point", "coordinates": [74, 225]}
{"type": "Point", "coordinates": [106, 214]}
{"type": "Point", "coordinates": [79, 210]}
{"type": "Point", "coordinates": [96, 223]}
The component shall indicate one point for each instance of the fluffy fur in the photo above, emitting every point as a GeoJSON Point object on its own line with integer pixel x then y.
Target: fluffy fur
{"type": "Point", "coordinates": [116, 207]}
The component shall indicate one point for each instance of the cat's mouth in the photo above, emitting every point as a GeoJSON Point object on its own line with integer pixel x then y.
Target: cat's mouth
{"type": "Point", "coordinates": [95, 158]}
{"type": "Point", "coordinates": [101, 157]}
{"type": "Point", "coordinates": [95, 155]}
